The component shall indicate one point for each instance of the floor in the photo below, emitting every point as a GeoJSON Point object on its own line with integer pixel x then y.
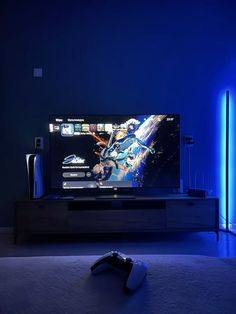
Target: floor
{"type": "Point", "coordinates": [198, 243]}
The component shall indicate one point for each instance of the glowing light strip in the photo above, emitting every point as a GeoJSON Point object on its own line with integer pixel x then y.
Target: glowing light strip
{"type": "Point", "coordinates": [231, 163]}
{"type": "Point", "coordinates": [227, 161]}
{"type": "Point", "coordinates": [222, 179]}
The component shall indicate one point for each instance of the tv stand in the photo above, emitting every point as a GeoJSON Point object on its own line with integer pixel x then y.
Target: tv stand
{"type": "Point", "coordinates": [115, 215]}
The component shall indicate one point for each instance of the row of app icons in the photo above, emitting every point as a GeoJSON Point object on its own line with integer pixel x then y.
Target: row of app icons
{"type": "Point", "coordinates": [69, 129]}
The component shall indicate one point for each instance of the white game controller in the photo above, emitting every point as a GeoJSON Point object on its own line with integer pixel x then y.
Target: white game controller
{"type": "Point", "coordinates": [136, 270]}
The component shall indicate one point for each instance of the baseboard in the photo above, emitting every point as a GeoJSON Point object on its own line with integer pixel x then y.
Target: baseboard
{"type": "Point", "coordinates": [4, 230]}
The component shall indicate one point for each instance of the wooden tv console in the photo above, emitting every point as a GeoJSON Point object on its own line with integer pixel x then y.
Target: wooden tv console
{"type": "Point", "coordinates": [115, 215]}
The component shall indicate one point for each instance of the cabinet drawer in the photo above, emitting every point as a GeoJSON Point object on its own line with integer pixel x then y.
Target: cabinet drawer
{"type": "Point", "coordinates": [191, 214]}
{"type": "Point", "coordinates": [117, 220]}
{"type": "Point", "coordinates": [41, 217]}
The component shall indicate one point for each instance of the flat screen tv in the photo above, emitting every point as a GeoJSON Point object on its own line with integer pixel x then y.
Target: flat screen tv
{"type": "Point", "coordinates": [114, 151]}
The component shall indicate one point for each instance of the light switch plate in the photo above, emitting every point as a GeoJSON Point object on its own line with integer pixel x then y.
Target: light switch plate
{"type": "Point", "coordinates": [37, 72]}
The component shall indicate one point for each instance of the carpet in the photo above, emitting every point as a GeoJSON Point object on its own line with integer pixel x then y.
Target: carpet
{"type": "Point", "coordinates": [175, 284]}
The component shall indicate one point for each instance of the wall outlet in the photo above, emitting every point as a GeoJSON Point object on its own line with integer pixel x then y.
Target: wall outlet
{"type": "Point", "coordinates": [188, 140]}
{"type": "Point", "coordinates": [38, 142]}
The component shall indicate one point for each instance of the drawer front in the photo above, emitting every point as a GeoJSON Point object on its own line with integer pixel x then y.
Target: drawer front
{"type": "Point", "coordinates": [117, 220]}
{"type": "Point", "coordinates": [41, 217]}
{"type": "Point", "coordinates": [194, 214]}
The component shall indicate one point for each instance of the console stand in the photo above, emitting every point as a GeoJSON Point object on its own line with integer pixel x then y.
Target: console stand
{"type": "Point", "coordinates": [110, 214]}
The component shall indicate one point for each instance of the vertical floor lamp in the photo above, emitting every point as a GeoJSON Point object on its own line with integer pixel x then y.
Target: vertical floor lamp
{"type": "Point", "coordinates": [228, 152]}
{"type": "Point", "coordinates": [227, 163]}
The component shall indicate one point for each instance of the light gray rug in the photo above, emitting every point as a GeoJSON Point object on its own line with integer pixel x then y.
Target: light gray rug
{"type": "Point", "coordinates": [174, 284]}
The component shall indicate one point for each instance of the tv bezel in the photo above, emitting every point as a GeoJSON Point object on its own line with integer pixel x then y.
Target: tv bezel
{"type": "Point", "coordinates": [114, 190]}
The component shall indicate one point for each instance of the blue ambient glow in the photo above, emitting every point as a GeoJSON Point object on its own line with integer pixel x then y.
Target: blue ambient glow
{"type": "Point", "coordinates": [222, 178]}
{"type": "Point", "coordinates": [231, 161]}
{"type": "Point", "coordinates": [232, 214]}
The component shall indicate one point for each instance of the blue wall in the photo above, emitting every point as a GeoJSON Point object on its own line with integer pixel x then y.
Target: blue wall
{"type": "Point", "coordinates": [112, 57]}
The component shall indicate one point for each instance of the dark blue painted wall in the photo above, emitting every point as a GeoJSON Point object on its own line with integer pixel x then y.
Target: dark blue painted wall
{"type": "Point", "coordinates": [112, 57]}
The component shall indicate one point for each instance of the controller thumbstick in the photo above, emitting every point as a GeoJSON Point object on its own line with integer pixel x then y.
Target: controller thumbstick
{"type": "Point", "coordinates": [115, 254]}
{"type": "Point", "coordinates": [128, 260]}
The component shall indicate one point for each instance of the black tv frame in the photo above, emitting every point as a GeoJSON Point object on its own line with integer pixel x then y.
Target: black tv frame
{"type": "Point", "coordinates": [115, 192]}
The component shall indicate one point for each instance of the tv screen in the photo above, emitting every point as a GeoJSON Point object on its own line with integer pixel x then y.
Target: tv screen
{"type": "Point", "coordinates": [114, 151]}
